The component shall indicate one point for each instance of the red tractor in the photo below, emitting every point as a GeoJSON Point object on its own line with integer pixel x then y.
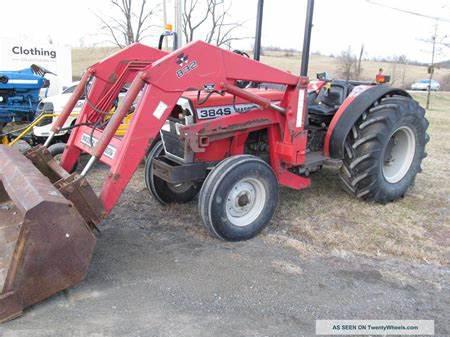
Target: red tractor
{"type": "Point", "coordinates": [206, 121]}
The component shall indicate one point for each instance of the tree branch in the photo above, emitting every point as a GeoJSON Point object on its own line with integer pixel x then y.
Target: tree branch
{"type": "Point", "coordinates": [130, 20]}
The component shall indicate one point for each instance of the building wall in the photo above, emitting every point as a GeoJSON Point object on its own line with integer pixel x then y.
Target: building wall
{"type": "Point", "coordinates": [16, 53]}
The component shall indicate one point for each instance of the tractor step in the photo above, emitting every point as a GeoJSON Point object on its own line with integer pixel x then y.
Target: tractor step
{"type": "Point", "coordinates": [174, 173]}
{"type": "Point", "coordinates": [314, 159]}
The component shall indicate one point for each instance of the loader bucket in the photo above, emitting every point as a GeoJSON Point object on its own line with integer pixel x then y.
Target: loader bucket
{"type": "Point", "coordinates": [45, 243]}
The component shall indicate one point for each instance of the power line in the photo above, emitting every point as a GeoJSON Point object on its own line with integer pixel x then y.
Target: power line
{"type": "Point", "coordinates": [407, 11]}
{"type": "Point", "coordinates": [433, 38]}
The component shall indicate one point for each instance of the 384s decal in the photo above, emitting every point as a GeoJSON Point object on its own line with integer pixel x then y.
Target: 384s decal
{"type": "Point", "coordinates": [225, 110]}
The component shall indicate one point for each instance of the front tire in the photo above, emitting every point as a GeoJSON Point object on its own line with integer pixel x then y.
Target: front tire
{"type": "Point", "coordinates": [384, 150]}
{"type": "Point", "coordinates": [238, 198]}
{"type": "Point", "coordinates": [56, 150]}
{"type": "Point", "coordinates": [164, 192]}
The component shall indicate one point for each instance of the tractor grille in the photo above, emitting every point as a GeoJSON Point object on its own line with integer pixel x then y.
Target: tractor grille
{"type": "Point", "coordinates": [172, 144]}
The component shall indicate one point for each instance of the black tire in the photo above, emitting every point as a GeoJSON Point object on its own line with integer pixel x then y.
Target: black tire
{"type": "Point", "coordinates": [164, 192]}
{"type": "Point", "coordinates": [56, 150]}
{"type": "Point", "coordinates": [370, 144]}
{"type": "Point", "coordinates": [216, 196]}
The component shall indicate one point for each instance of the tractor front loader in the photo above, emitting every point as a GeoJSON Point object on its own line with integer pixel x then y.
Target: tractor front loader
{"type": "Point", "coordinates": [208, 122]}
{"type": "Point", "coordinates": [47, 216]}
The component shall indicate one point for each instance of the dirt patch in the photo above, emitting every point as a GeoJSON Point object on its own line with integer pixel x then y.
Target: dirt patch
{"type": "Point", "coordinates": [286, 267]}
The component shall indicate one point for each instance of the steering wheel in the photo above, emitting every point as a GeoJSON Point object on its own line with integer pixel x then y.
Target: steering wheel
{"type": "Point", "coordinates": [242, 83]}
{"type": "Point", "coordinates": [241, 52]}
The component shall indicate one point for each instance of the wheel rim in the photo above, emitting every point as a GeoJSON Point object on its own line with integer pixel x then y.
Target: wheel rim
{"type": "Point", "coordinates": [245, 201]}
{"type": "Point", "coordinates": [58, 157]}
{"type": "Point", "coordinates": [179, 188]}
{"type": "Point", "coordinates": [399, 154]}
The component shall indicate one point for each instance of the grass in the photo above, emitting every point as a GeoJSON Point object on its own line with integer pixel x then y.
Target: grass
{"type": "Point", "coordinates": [401, 75]}
{"type": "Point", "coordinates": [82, 58]}
{"type": "Point", "coordinates": [324, 220]}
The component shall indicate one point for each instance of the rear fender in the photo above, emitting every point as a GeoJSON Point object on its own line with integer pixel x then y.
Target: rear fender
{"type": "Point", "coordinates": [359, 101]}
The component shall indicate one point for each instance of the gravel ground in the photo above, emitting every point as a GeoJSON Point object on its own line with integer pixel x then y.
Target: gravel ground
{"type": "Point", "coordinates": [325, 255]}
{"type": "Point", "coordinates": [156, 272]}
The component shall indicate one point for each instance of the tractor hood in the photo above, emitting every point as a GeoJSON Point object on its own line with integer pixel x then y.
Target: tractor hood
{"type": "Point", "coordinates": [23, 80]}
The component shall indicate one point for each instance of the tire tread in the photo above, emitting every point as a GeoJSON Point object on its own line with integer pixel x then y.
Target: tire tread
{"type": "Point", "coordinates": [364, 148]}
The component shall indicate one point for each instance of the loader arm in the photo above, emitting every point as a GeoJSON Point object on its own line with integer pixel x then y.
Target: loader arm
{"type": "Point", "coordinates": [161, 84]}
{"type": "Point", "coordinates": [105, 80]}
{"type": "Point", "coordinates": [47, 216]}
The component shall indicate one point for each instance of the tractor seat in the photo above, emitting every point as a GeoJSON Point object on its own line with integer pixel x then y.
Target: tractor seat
{"type": "Point", "coordinates": [322, 109]}
{"type": "Point", "coordinates": [327, 103]}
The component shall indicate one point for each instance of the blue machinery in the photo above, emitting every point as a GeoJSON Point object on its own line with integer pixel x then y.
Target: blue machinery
{"type": "Point", "coordinates": [19, 93]}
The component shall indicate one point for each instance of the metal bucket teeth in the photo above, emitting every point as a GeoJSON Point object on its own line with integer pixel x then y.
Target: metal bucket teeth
{"type": "Point", "coordinates": [45, 244]}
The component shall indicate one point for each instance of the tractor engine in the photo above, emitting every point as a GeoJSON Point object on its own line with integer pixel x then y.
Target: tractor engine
{"type": "Point", "coordinates": [19, 93]}
{"type": "Point", "coordinates": [194, 107]}
{"type": "Point", "coordinates": [324, 99]}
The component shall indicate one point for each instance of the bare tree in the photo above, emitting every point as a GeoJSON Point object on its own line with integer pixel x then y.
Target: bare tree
{"type": "Point", "coordinates": [359, 69]}
{"type": "Point", "coordinates": [212, 18]}
{"type": "Point", "coordinates": [347, 63]}
{"type": "Point", "coordinates": [192, 19]}
{"type": "Point", "coordinates": [130, 22]}
{"type": "Point", "coordinates": [403, 60]}
{"type": "Point", "coordinates": [398, 71]}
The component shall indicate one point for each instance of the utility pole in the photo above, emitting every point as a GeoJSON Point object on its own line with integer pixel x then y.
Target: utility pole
{"type": "Point", "coordinates": [434, 41]}
{"type": "Point", "coordinates": [179, 7]}
{"type": "Point", "coordinates": [431, 68]}
{"type": "Point", "coordinates": [166, 42]}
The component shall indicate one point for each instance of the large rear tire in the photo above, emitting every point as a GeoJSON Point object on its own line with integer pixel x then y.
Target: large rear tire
{"type": "Point", "coordinates": [238, 198]}
{"type": "Point", "coordinates": [385, 149]}
{"type": "Point", "coordinates": [164, 192]}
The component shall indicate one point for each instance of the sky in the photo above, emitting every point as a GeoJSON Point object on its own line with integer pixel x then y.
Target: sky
{"type": "Point", "coordinates": [338, 24]}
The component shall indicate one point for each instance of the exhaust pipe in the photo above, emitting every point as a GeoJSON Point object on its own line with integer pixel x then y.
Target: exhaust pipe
{"type": "Point", "coordinates": [258, 34]}
{"type": "Point", "coordinates": [307, 38]}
